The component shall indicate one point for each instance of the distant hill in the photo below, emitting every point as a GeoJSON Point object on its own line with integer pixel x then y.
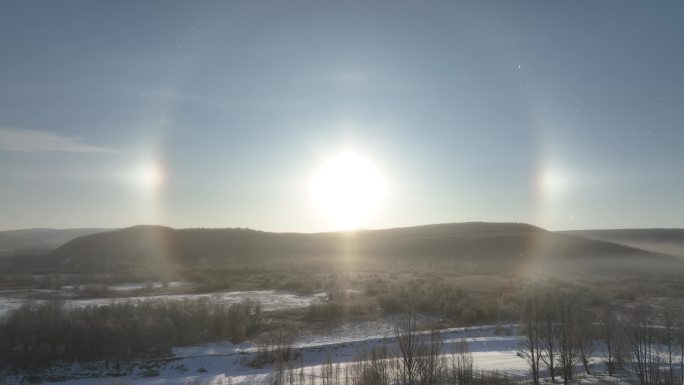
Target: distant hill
{"type": "Point", "coordinates": [501, 246]}
{"type": "Point", "coordinates": [32, 240]}
{"type": "Point", "coordinates": [666, 241]}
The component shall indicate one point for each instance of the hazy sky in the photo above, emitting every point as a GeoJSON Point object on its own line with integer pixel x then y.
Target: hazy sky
{"type": "Point", "coordinates": [218, 114]}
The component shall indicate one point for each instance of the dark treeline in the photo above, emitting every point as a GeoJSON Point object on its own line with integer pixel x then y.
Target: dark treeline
{"type": "Point", "coordinates": [459, 304]}
{"type": "Point", "coordinates": [37, 336]}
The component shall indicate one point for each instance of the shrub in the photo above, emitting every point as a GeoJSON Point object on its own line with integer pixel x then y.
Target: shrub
{"type": "Point", "coordinates": [150, 373]}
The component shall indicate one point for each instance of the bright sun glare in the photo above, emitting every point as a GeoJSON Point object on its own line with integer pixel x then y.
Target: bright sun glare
{"type": "Point", "coordinates": [148, 177]}
{"type": "Point", "coordinates": [348, 190]}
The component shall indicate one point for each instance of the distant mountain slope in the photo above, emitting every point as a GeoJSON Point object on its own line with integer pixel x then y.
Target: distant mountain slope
{"type": "Point", "coordinates": [499, 245]}
{"type": "Point", "coordinates": [666, 241]}
{"type": "Point", "coordinates": [27, 240]}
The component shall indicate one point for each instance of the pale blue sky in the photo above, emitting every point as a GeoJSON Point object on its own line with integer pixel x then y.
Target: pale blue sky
{"type": "Point", "coordinates": [561, 114]}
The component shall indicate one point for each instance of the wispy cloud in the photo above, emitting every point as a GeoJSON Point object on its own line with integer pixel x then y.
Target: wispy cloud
{"type": "Point", "coordinates": [266, 102]}
{"type": "Point", "coordinates": [22, 140]}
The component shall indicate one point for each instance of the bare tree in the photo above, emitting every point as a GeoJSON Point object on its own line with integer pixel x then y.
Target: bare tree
{"type": "Point", "coordinates": [549, 333]}
{"type": "Point", "coordinates": [291, 373]}
{"type": "Point", "coordinates": [610, 333]}
{"type": "Point", "coordinates": [408, 342]}
{"type": "Point", "coordinates": [278, 377]}
{"type": "Point", "coordinates": [327, 371]}
{"type": "Point", "coordinates": [680, 340]}
{"type": "Point", "coordinates": [585, 339]}
{"type": "Point", "coordinates": [644, 358]}
{"type": "Point", "coordinates": [568, 347]}
{"type": "Point", "coordinates": [669, 339]}
{"type": "Point", "coordinates": [430, 362]}
{"type": "Point", "coordinates": [301, 375]}
{"type": "Point", "coordinates": [370, 368]}
{"type": "Point", "coordinates": [531, 333]}
{"type": "Point", "coordinates": [461, 366]}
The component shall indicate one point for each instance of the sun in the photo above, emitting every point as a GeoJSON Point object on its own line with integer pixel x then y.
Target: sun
{"type": "Point", "coordinates": [347, 191]}
{"type": "Point", "coordinates": [148, 176]}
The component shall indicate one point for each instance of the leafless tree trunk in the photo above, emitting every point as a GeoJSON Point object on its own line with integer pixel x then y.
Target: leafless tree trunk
{"type": "Point", "coordinates": [643, 356]}
{"type": "Point", "coordinates": [371, 369]}
{"type": "Point", "coordinates": [327, 371]}
{"type": "Point", "coordinates": [312, 377]}
{"type": "Point", "coordinates": [585, 339]}
{"type": "Point", "coordinates": [531, 333]}
{"type": "Point", "coordinates": [430, 362]}
{"type": "Point", "coordinates": [302, 375]}
{"type": "Point", "coordinates": [290, 374]}
{"type": "Point", "coordinates": [279, 372]}
{"type": "Point", "coordinates": [680, 340]}
{"type": "Point", "coordinates": [568, 347]}
{"type": "Point", "coordinates": [669, 337]}
{"type": "Point", "coordinates": [461, 366]}
{"type": "Point", "coordinates": [609, 331]}
{"type": "Point", "coordinates": [408, 342]}
{"type": "Point", "coordinates": [549, 333]}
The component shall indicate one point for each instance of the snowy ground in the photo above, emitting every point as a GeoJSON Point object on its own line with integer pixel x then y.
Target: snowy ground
{"type": "Point", "coordinates": [493, 348]}
{"type": "Point", "coordinates": [269, 299]}
{"type": "Point", "coordinates": [138, 286]}
{"type": "Point", "coordinates": [220, 363]}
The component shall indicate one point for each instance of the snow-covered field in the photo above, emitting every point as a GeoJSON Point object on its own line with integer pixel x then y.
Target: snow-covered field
{"type": "Point", "coordinates": [269, 299]}
{"type": "Point", "coordinates": [140, 286]}
{"type": "Point", "coordinates": [219, 363]}
{"type": "Point", "coordinates": [494, 348]}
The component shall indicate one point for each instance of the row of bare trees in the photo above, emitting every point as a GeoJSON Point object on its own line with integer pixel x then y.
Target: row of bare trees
{"type": "Point", "coordinates": [654, 345]}
{"type": "Point", "coordinates": [560, 334]}
{"type": "Point", "coordinates": [416, 359]}
{"type": "Point", "coordinates": [557, 334]}
{"type": "Point", "coordinates": [37, 336]}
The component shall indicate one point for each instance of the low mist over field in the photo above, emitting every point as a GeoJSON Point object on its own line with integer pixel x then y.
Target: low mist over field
{"type": "Point", "coordinates": [487, 247]}
{"type": "Point", "coordinates": [666, 241]}
{"type": "Point", "coordinates": [38, 240]}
